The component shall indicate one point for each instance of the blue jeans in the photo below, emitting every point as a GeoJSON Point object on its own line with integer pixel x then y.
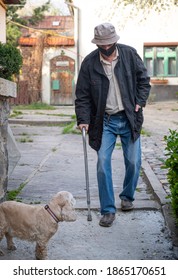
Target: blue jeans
{"type": "Point", "coordinates": [115, 125]}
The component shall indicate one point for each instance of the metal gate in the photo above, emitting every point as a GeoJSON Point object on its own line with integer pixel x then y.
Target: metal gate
{"type": "Point", "coordinates": [62, 80]}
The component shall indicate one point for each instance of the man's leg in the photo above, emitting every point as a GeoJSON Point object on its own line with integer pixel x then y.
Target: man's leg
{"type": "Point", "coordinates": [132, 159]}
{"type": "Point", "coordinates": [104, 172]}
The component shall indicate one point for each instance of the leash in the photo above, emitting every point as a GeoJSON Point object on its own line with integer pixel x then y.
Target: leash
{"type": "Point", "coordinates": [48, 209]}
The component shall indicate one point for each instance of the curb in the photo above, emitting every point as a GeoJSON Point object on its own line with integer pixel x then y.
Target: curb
{"type": "Point", "coordinates": [160, 195]}
{"type": "Point", "coordinates": [39, 122]}
{"type": "Point", "coordinates": [155, 184]}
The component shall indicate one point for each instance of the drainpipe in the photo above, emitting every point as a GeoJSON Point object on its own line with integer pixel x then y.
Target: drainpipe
{"type": "Point", "coordinates": [76, 34]}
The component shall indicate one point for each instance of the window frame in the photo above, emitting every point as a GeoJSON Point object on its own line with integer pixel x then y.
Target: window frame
{"type": "Point", "coordinates": [155, 54]}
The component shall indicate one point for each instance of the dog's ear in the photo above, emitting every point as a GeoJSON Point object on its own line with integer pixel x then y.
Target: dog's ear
{"type": "Point", "coordinates": [62, 198]}
{"type": "Point", "coordinates": [73, 201]}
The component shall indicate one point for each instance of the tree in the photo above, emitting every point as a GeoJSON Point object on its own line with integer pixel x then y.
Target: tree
{"type": "Point", "coordinates": [147, 6]}
{"type": "Point", "coordinates": [38, 13]}
{"type": "Point", "coordinates": [13, 32]}
{"type": "Point", "coordinates": [12, 12]}
{"type": "Point", "coordinates": [125, 10]}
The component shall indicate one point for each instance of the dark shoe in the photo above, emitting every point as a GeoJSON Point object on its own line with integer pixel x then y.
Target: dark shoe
{"type": "Point", "coordinates": [126, 205]}
{"type": "Point", "coordinates": [107, 220]}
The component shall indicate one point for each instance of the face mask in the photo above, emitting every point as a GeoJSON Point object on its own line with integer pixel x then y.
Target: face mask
{"type": "Point", "coordinates": [109, 51]}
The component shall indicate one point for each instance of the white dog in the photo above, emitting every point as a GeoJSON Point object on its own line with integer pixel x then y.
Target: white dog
{"type": "Point", "coordinates": [35, 222]}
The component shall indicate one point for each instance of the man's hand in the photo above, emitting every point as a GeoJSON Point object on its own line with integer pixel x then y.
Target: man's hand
{"type": "Point", "coordinates": [83, 125]}
{"type": "Point", "coordinates": [137, 107]}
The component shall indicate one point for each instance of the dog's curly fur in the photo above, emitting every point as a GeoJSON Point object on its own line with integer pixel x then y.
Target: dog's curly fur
{"type": "Point", "coordinates": [33, 222]}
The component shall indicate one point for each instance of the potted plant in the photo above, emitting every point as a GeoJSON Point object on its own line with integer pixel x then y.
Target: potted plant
{"type": "Point", "coordinates": [159, 81]}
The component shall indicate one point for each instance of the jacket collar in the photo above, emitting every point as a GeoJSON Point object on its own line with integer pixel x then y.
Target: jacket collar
{"type": "Point", "coordinates": [97, 65]}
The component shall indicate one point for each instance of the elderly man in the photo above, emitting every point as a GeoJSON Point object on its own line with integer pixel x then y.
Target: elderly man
{"type": "Point", "coordinates": [112, 89]}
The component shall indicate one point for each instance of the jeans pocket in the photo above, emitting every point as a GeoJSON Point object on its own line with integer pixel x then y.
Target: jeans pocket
{"type": "Point", "coordinates": [106, 120]}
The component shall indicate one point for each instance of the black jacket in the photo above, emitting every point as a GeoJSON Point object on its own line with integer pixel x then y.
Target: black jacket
{"type": "Point", "coordinates": [92, 89]}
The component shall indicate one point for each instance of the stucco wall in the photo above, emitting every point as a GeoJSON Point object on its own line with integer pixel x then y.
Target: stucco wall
{"type": "Point", "coordinates": [2, 25]}
{"type": "Point", "coordinates": [156, 27]}
{"type": "Point", "coordinates": [7, 89]}
{"type": "Point", "coordinates": [134, 32]}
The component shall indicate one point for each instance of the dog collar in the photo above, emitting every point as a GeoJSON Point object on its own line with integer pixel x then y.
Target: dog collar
{"type": "Point", "coordinates": [48, 209]}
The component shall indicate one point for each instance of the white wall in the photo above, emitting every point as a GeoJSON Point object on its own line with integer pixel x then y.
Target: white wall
{"type": "Point", "coordinates": [156, 28]}
{"type": "Point", "coordinates": [2, 25]}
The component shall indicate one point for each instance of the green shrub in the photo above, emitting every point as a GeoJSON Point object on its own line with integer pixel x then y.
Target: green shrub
{"type": "Point", "coordinates": [171, 163]}
{"type": "Point", "coordinates": [10, 61]}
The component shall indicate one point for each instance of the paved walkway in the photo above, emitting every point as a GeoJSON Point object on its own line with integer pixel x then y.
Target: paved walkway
{"type": "Point", "coordinates": [52, 161]}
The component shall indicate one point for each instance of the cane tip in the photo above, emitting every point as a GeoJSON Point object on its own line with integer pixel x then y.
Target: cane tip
{"type": "Point", "coordinates": [89, 218]}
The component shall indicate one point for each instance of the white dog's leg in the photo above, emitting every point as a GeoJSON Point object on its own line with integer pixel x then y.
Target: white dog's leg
{"type": "Point", "coordinates": [41, 251]}
{"type": "Point", "coordinates": [10, 244]}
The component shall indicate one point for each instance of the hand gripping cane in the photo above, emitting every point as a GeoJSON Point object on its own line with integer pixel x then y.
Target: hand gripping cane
{"type": "Point", "coordinates": [89, 218]}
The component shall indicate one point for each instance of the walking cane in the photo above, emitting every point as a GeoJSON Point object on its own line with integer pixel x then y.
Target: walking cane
{"type": "Point", "coordinates": [89, 218]}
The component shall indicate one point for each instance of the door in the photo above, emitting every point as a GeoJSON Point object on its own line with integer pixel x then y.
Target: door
{"type": "Point", "coordinates": [62, 80]}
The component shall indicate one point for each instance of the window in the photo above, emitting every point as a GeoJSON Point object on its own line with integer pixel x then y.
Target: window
{"type": "Point", "coordinates": [56, 23]}
{"type": "Point", "coordinates": [161, 60]}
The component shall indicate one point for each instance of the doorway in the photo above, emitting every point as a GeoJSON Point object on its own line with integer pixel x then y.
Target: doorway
{"type": "Point", "coordinates": [62, 71]}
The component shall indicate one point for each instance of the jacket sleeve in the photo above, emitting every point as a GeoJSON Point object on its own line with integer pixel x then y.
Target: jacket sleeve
{"type": "Point", "coordinates": [83, 100]}
{"type": "Point", "coordinates": [143, 82]}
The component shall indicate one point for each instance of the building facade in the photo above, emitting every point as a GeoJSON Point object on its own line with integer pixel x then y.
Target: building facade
{"type": "Point", "coordinates": [2, 22]}
{"type": "Point", "coordinates": [154, 35]}
{"type": "Point", "coordinates": [49, 59]}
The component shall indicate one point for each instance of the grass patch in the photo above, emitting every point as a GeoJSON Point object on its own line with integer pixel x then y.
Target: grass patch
{"type": "Point", "coordinates": [54, 115]}
{"type": "Point", "coordinates": [15, 114]}
{"type": "Point", "coordinates": [35, 202]}
{"type": "Point", "coordinates": [23, 134]}
{"type": "Point", "coordinates": [118, 145]}
{"type": "Point", "coordinates": [12, 195]}
{"type": "Point", "coordinates": [141, 172]}
{"type": "Point", "coordinates": [145, 133]}
{"type": "Point", "coordinates": [25, 140]}
{"type": "Point", "coordinates": [71, 129]}
{"type": "Point", "coordinates": [35, 106]}
{"type": "Point", "coordinates": [56, 124]}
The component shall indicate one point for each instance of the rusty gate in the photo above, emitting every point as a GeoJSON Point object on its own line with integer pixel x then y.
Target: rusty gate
{"type": "Point", "coordinates": [62, 80]}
